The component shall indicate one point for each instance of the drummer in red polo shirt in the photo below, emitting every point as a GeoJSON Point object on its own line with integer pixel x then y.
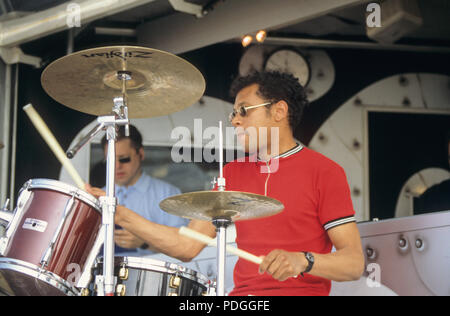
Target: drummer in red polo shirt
{"type": "Point", "coordinates": [318, 214]}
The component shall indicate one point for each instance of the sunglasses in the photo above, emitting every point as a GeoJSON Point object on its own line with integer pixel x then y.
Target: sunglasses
{"type": "Point", "coordinates": [242, 110]}
{"type": "Point", "coordinates": [124, 160]}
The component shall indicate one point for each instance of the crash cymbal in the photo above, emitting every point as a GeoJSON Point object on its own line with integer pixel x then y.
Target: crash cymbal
{"type": "Point", "coordinates": [208, 205]}
{"type": "Point", "coordinates": [160, 83]}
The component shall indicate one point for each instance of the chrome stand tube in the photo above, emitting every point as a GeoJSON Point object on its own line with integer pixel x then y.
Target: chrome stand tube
{"type": "Point", "coordinates": [221, 228]}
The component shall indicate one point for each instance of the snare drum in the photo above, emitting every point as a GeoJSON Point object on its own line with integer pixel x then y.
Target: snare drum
{"type": "Point", "coordinates": [49, 239]}
{"type": "Point", "coordinates": [149, 277]}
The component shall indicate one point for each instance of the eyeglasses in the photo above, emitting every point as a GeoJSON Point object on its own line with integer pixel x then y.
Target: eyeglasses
{"type": "Point", "coordinates": [242, 110]}
{"type": "Point", "coordinates": [124, 160]}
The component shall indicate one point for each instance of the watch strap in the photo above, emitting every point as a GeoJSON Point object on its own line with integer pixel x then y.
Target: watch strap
{"type": "Point", "coordinates": [310, 262]}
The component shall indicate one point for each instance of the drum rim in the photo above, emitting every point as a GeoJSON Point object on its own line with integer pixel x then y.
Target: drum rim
{"type": "Point", "coordinates": [55, 185]}
{"type": "Point", "coordinates": [159, 266]}
{"type": "Point", "coordinates": [41, 274]}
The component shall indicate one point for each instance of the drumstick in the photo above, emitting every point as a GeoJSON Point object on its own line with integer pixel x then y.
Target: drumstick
{"type": "Point", "coordinates": [210, 241]}
{"type": "Point", "coordinates": [53, 144]}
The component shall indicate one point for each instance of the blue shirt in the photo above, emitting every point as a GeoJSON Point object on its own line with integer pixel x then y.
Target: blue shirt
{"type": "Point", "coordinates": [143, 198]}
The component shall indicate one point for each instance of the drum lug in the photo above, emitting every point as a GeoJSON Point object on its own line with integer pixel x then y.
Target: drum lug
{"type": "Point", "coordinates": [121, 290]}
{"type": "Point", "coordinates": [123, 274]}
{"type": "Point", "coordinates": [174, 282]}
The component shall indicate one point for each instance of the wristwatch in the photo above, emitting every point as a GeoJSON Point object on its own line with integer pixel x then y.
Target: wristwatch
{"type": "Point", "coordinates": [310, 258]}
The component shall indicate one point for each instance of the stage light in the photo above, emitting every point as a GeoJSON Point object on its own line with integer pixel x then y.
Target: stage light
{"type": "Point", "coordinates": [261, 36]}
{"type": "Point", "coordinates": [246, 40]}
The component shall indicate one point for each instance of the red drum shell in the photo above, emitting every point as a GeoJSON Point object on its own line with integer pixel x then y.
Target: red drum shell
{"type": "Point", "coordinates": [74, 242]}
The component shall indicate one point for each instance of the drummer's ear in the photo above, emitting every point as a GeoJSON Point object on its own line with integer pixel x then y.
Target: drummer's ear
{"type": "Point", "coordinates": [281, 110]}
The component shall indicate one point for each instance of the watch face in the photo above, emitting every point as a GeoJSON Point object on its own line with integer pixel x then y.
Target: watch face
{"type": "Point", "coordinates": [310, 257]}
{"type": "Point", "coordinates": [287, 60]}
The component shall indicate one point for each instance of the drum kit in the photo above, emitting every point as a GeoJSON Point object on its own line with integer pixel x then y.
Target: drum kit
{"type": "Point", "coordinates": [55, 233]}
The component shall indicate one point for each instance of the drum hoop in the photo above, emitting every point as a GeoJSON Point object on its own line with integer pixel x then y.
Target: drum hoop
{"type": "Point", "coordinates": [65, 188]}
{"type": "Point", "coordinates": [38, 273]}
{"type": "Point", "coordinates": [161, 266]}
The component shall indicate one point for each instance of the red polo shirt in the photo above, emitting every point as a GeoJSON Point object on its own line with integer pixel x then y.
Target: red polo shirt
{"type": "Point", "coordinates": [316, 197]}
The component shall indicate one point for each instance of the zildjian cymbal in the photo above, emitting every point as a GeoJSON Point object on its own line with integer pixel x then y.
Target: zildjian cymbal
{"type": "Point", "coordinates": [209, 205]}
{"type": "Point", "coordinates": [158, 83]}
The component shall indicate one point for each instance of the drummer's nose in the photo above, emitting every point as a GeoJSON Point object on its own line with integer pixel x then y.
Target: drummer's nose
{"type": "Point", "coordinates": [236, 121]}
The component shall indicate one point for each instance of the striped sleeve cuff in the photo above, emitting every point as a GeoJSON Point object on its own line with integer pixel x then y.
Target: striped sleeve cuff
{"type": "Point", "coordinates": [339, 221]}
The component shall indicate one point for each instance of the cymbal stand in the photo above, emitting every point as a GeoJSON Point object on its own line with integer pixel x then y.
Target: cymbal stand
{"type": "Point", "coordinates": [221, 225]}
{"type": "Point", "coordinates": [106, 282]}
{"type": "Point", "coordinates": [109, 202]}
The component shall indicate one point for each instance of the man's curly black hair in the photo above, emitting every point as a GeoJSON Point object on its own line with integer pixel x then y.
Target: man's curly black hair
{"type": "Point", "coordinates": [275, 86]}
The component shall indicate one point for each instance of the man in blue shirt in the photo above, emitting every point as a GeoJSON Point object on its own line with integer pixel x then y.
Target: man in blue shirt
{"type": "Point", "coordinates": [138, 192]}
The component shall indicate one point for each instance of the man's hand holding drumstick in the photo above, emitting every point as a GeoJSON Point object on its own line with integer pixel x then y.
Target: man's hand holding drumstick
{"type": "Point", "coordinates": [280, 264]}
{"type": "Point", "coordinates": [122, 237]}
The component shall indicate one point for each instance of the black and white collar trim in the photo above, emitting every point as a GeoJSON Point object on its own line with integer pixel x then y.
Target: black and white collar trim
{"type": "Point", "coordinates": [290, 152]}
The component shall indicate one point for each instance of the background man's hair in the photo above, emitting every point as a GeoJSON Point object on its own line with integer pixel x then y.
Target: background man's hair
{"type": "Point", "coordinates": [135, 137]}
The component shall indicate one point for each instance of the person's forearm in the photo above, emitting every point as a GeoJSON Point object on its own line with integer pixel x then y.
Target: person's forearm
{"type": "Point", "coordinates": [342, 265]}
{"type": "Point", "coordinates": [160, 238]}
